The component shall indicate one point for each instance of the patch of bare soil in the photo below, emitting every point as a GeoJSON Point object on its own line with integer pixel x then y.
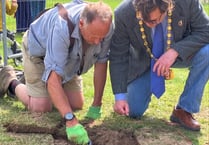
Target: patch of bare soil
{"type": "Point", "coordinates": [99, 135]}
{"type": "Point", "coordinates": [103, 135]}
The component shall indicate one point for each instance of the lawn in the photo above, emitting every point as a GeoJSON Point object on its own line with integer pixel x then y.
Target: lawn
{"type": "Point", "coordinates": [154, 128]}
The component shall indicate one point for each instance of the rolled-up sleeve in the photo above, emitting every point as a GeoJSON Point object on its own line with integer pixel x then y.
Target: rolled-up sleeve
{"type": "Point", "coordinates": [57, 49]}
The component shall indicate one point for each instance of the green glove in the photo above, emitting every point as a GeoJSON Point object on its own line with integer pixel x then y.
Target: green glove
{"type": "Point", "coordinates": [77, 134]}
{"type": "Point", "coordinates": [94, 112]}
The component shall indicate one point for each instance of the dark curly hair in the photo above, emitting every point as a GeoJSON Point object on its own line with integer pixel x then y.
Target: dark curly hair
{"type": "Point", "coordinates": [145, 7]}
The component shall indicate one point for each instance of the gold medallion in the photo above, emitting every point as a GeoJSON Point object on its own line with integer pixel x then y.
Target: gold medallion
{"type": "Point", "coordinates": [170, 75]}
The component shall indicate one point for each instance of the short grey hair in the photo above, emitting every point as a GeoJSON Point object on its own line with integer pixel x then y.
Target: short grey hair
{"type": "Point", "coordinates": [95, 10]}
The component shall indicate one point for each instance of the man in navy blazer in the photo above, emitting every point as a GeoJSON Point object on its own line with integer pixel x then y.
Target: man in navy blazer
{"type": "Point", "coordinates": [186, 35]}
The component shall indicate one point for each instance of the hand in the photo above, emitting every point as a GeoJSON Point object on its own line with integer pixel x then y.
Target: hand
{"type": "Point", "coordinates": [163, 64]}
{"type": "Point", "coordinates": [77, 134]}
{"type": "Point", "coordinates": [94, 112]}
{"type": "Point", "coordinates": [121, 107]}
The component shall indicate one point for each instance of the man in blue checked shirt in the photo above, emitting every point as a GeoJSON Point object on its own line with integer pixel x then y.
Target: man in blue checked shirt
{"type": "Point", "coordinates": [63, 43]}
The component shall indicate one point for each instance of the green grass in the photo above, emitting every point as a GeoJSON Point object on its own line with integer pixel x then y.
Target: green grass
{"type": "Point", "coordinates": [154, 125]}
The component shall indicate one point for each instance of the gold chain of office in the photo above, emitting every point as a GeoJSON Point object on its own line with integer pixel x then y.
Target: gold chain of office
{"type": "Point", "coordinates": [169, 29]}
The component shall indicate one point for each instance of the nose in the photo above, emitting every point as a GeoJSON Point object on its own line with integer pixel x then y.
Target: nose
{"type": "Point", "coordinates": [97, 41]}
{"type": "Point", "coordinates": [153, 24]}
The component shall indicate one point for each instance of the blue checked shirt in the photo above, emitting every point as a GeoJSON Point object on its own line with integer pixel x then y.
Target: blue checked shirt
{"type": "Point", "coordinates": [48, 37]}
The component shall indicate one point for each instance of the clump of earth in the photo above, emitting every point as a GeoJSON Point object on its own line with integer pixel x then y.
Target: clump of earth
{"type": "Point", "coordinates": [99, 135]}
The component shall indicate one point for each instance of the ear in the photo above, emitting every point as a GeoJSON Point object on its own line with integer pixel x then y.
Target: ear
{"type": "Point", "coordinates": [81, 23]}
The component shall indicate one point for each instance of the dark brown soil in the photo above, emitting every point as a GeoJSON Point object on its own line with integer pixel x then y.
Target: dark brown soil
{"type": "Point", "coordinates": [99, 135]}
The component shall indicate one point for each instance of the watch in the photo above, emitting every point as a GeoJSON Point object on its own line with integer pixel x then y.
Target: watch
{"type": "Point", "coordinates": [69, 116]}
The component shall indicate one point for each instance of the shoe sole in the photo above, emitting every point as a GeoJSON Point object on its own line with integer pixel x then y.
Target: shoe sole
{"type": "Point", "coordinates": [6, 84]}
{"type": "Point", "coordinates": [176, 120]}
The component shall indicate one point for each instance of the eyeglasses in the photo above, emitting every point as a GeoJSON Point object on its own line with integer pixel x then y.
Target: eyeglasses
{"type": "Point", "coordinates": [155, 21]}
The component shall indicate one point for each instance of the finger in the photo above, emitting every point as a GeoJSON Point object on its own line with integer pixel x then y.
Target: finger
{"type": "Point", "coordinates": [156, 65]}
{"type": "Point", "coordinates": [118, 110]}
{"type": "Point", "coordinates": [123, 111]}
{"type": "Point", "coordinates": [161, 70]}
{"type": "Point", "coordinates": [158, 68]}
{"type": "Point", "coordinates": [166, 74]}
{"type": "Point", "coordinates": [126, 110]}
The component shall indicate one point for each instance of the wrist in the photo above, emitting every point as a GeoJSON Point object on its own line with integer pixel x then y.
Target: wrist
{"type": "Point", "coordinates": [96, 104]}
{"type": "Point", "coordinates": [97, 101]}
{"type": "Point", "coordinates": [95, 108]}
{"type": "Point", "coordinates": [71, 123]}
{"type": "Point", "coordinates": [70, 119]}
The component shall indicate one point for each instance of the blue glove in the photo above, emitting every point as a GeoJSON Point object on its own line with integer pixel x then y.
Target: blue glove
{"type": "Point", "coordinates": [77, 134]}
{"type": "Point", "coordinates": [94, 112]}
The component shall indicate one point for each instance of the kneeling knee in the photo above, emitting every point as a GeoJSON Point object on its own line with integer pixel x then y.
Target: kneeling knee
{"type": "Point", "coordinates": [39, 105]}
{"type": "Point", "coordinates": [135, 115]}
